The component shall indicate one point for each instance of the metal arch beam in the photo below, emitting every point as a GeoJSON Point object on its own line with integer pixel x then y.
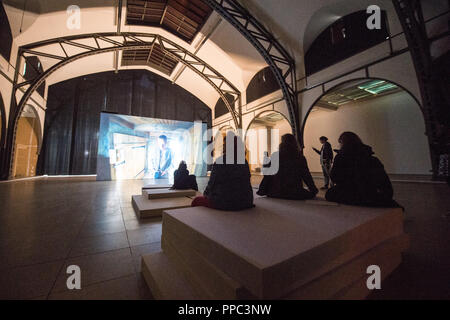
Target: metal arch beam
{"type": "Point", "coordinates": [182, 56]}
{"type": "Point", "coordinates": [411, 18]}
{"type": "Point", "coordinates": [270, 49]}
{"type": "Point", "coordinates": [208, 73]}
{"type": "Point", "coordinates": [131, 41]}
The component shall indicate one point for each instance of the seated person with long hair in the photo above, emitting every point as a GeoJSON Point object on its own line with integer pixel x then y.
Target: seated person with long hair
{"type": "Point", "coordinates": [229, 185]}
{"type": "Point", "coordinates": [182, 180]}
{"type": "Point", "coordinates": [359, 177]}
{"type": "Point", "coordinates": [287, 182]}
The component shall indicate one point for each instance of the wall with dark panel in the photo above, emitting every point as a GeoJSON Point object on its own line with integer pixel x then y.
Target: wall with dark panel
{"type": "Point", "coordinates": [343, 39]}
{"type": "Point", "coordinates": [33, 68]}
{"type": "Point", "coordinates": [73, 114]}
{"type": "Point", "coordinates": [220, 109]}
{"type": "Point", "coordinates": [2, 122]}
{"type": "Point", "coordinates": [5, 34]}
{"type": "Point", "coordinates": [263, 83]}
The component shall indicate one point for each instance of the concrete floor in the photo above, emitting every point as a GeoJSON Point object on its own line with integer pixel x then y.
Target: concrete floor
{"type": "Point", "coordinates": [47, 225]}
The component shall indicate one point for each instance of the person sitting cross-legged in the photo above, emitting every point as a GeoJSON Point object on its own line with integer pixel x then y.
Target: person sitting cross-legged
{"type": "Point", "coordinates": [289, 171]}
{"type": "Point", "coordinates": [182, 180]}
{"type": "Point", "coordinates": [229, 186]}
{"type": "Point", "coordinates": [359, 177]}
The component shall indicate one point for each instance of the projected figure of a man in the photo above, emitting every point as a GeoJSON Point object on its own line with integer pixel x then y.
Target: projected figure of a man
{"type": "Point", "coordinates": [164, 161]}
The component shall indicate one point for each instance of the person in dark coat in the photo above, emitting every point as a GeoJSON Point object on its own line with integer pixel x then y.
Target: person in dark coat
{"type": "Point", "coordinates": [287, 182]}
{"type": "Point", "coordinates": [182, 180]}
{"type": "Point", "coordinates": [326, 159]}
{"type": "Point", "coordinates": [229, 186]}
{"type": "Point", "coordinates": [359, 177]}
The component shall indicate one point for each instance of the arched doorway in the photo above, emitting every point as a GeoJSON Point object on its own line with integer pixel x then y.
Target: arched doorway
{"type": "Point", "coordinates": [219, 139]}
{"type": "Point", "coordinates": [385, 115]}
{"type": "Point", "coordinates": [27, 143]}
{"type": "Point", "coordinates": [263, 136]}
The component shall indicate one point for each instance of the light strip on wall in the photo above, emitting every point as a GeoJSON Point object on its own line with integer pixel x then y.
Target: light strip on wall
{"type": "Point", "coordinates": [382, 88]}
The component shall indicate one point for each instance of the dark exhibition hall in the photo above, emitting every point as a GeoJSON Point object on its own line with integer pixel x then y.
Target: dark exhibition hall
{"type": "Point", "coordinates": [231, 156]}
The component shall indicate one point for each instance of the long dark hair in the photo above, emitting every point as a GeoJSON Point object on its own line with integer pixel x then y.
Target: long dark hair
{"type": "Point", "coordinates": [350, 142]}
{"type": "Point", "coordinates": [238, 149]}
{"type": "Point", "coordinates": [182, 166]}
{"type": "Point", "coordinates": [289, 146]}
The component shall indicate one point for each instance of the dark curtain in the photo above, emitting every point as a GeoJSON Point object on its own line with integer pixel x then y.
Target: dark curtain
{"type": "Point", "coordinates": [73, 114]}
{"type": "Point", "coordinates": [5, 34]}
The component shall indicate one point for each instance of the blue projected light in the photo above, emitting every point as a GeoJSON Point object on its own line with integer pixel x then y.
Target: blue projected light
{"type": "Point", "coordinates": [146, 148]}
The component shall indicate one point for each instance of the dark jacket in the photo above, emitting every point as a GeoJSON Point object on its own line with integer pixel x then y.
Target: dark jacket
{"type": "Point", "coordinates": [182, 180]}
{"type": "Point", "coordinates": [287, 183]}
{"type": "Point", "coordinates": [326, 152]}
{"type": "Point", "coordinates": [229, 186]}
{"type": "Point", "coordinates": [360, 179]}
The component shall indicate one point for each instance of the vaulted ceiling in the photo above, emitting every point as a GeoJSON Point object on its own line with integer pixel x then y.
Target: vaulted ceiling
{"type": "Point", "coordinates": [184, 18]}
{"type": "Point", "coordinates": [355, 91]}
{"type": "Point", "coordinates": [189, 23]}
{"type": "Point", "coordinates": [153, 57]}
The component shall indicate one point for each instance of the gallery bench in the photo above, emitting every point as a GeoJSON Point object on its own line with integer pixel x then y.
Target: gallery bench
{"type": "Point", "coordinates": [154, 200]}
{"type": "Point", "coordinates": [157, 186]}
{"type": "Point", "coordinates": [168, 193]}
{"type": "Point", "coordinates": [281, 249]}
{"type": "Point", "coordinates": [145, 208]}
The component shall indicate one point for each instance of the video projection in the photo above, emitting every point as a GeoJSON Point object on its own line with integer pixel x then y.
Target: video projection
{"type": "Point", "coordinates": [147, 148]}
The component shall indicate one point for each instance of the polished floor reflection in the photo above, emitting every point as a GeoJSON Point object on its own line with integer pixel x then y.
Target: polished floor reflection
{"type": "Point", "coordinates": [46, 226]}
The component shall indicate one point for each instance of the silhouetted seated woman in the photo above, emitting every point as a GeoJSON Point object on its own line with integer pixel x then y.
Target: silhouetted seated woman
{"type": "Point", "coordinates": [359, 177]}
{"type": "Point", "coordinates": [229, 185]}
{"type": "Point", "coordinates": [182, 180]}
{"type": "Point", "coordinates": [287, 182]}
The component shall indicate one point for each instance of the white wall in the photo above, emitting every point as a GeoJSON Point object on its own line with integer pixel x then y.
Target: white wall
{"type": "Point", "coordinates": [393, 125]}
{"type": "Point", "coordinates": [256, 145]}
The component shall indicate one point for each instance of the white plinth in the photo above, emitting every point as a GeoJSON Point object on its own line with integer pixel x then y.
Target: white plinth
{"type": "Point", "coordinates": [146, 208]}
{"type": "Point", "coordinates": [281, 245]}
{"type": "Point", "coordinates": [168, 193]}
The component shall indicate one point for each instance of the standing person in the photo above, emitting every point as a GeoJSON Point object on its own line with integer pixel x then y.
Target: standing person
{"type": "Point", "coordinates": [326, 159]}
{"type": "Point", "coordinates": [360, 177]}
{"type": "Point", "coordinates": [287, 183]}
{"type": "Point", "coordinates": [164, 164]}
{"type": "Point", "coordinates": [229, 186]}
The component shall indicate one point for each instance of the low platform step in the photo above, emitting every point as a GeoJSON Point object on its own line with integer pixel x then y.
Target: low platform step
{"type": "Point", "coordinates": [197, 194]}
{"type": "Point", "coordinates": [358, 290]}
{"type": "Point", "coordinates": [166, 281]}
{"type": "Point", "coordinates": [157, 186]}
{"type": "Point", "coordinates": [168, 193]}
{"type": "Point", "coordinates": [281, 245]}
{"type": "Point", "coordinates": [220, 286]}
{"type": "Point", "coordinates": [145, 208]}
{"type": "Point", "coordinates": [202, 273]}
{"type": "Point", "coordinates": [345, 281]}
{"type": "Point", "coordinates": [320, 201]}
